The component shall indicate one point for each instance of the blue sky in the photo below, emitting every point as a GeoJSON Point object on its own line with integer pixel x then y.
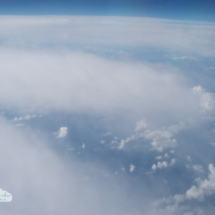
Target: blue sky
{"type": "Point", "coordinates": [189, 10]}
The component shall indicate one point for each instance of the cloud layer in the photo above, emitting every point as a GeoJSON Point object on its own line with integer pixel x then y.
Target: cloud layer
{"type": "Point", "coordinates": [108, 31]}
{"type": "Point", "coordinates": [150, 126]}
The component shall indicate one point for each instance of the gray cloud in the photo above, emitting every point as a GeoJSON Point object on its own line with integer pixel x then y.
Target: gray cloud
{"type": "Point", "coordinates": [48, 80]}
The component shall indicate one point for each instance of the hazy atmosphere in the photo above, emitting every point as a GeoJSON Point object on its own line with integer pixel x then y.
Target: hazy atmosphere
{"type": "Point", "coordinates": [107, 113]}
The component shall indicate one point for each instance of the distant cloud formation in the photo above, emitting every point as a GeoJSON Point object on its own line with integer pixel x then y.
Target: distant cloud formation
{"type": "Point", "coordinates": [93, 31]}
{"type": "Point", "coordinates": [62, 132]}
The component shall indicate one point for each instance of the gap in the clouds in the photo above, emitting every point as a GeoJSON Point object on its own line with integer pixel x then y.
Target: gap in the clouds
{"type": "Point", "coordinates": [90, 130]}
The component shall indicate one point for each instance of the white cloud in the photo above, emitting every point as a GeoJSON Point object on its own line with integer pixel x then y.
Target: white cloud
{"type": "Point", "coordinates": [205, 187]}
{"type": "Point", "coordinates": [154, 167]}
{"type": "Point", "coordinates": [172, 162]}
{"type": "Point", "coordinates": [62, 132]}
{"type": "Point", "coordinates": [177, 198]}
{"type": "Point", "coordinates": [164, 164]}
{"type": "Point", "coordinates": [141, 125]}
{"type": "Point", "coordinates": [206, 99]}
{"type": "Point", "coordinates": [196, 167]}
{"type": "Point", "coordinates": [163, 138]}
{"type": "Point", "coordinates": [159, 157]}
{"type": "Point", "coordinates": [166, 155]}
{"type": "Point", "coordinates": [161, 165]}
{"type": "Point", "coordinates": [132, 167]}
{"type": "Point", "coordinates": [183, 58]}
{"type": "Point", "coordinates": [172, 206]}
{"type": "Point", "coordinates": [27, 117]}
{"type": "Point", "coordinates": [59, 91]}
{"type": "Point", "coordinates": [123, 142]}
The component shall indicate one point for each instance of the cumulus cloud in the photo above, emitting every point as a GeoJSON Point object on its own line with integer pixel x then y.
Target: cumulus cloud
{"type": "Point", "coordinates": [172, 206]}
{"type": "Point", "coordinates": [205, 187]}
{"type": "Point", "coordinates": [161, 138]}
{"type": "Point", "coordinates": [140, 125]}
{"type": "Point", "coordinates": [122, 143]}
{"type": "Point", "coordinates": [206, 99]}
{"type": "Point", "coordinates": [60, 81]}
{"type": "Point", "coordinates": [163, 164]}
{"type": "Point", "coordinates": [62, 132]}
{"type": "Point", "coordinates": [165, 136]}
{"type": "Point", "coordinates": [178, 202]}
